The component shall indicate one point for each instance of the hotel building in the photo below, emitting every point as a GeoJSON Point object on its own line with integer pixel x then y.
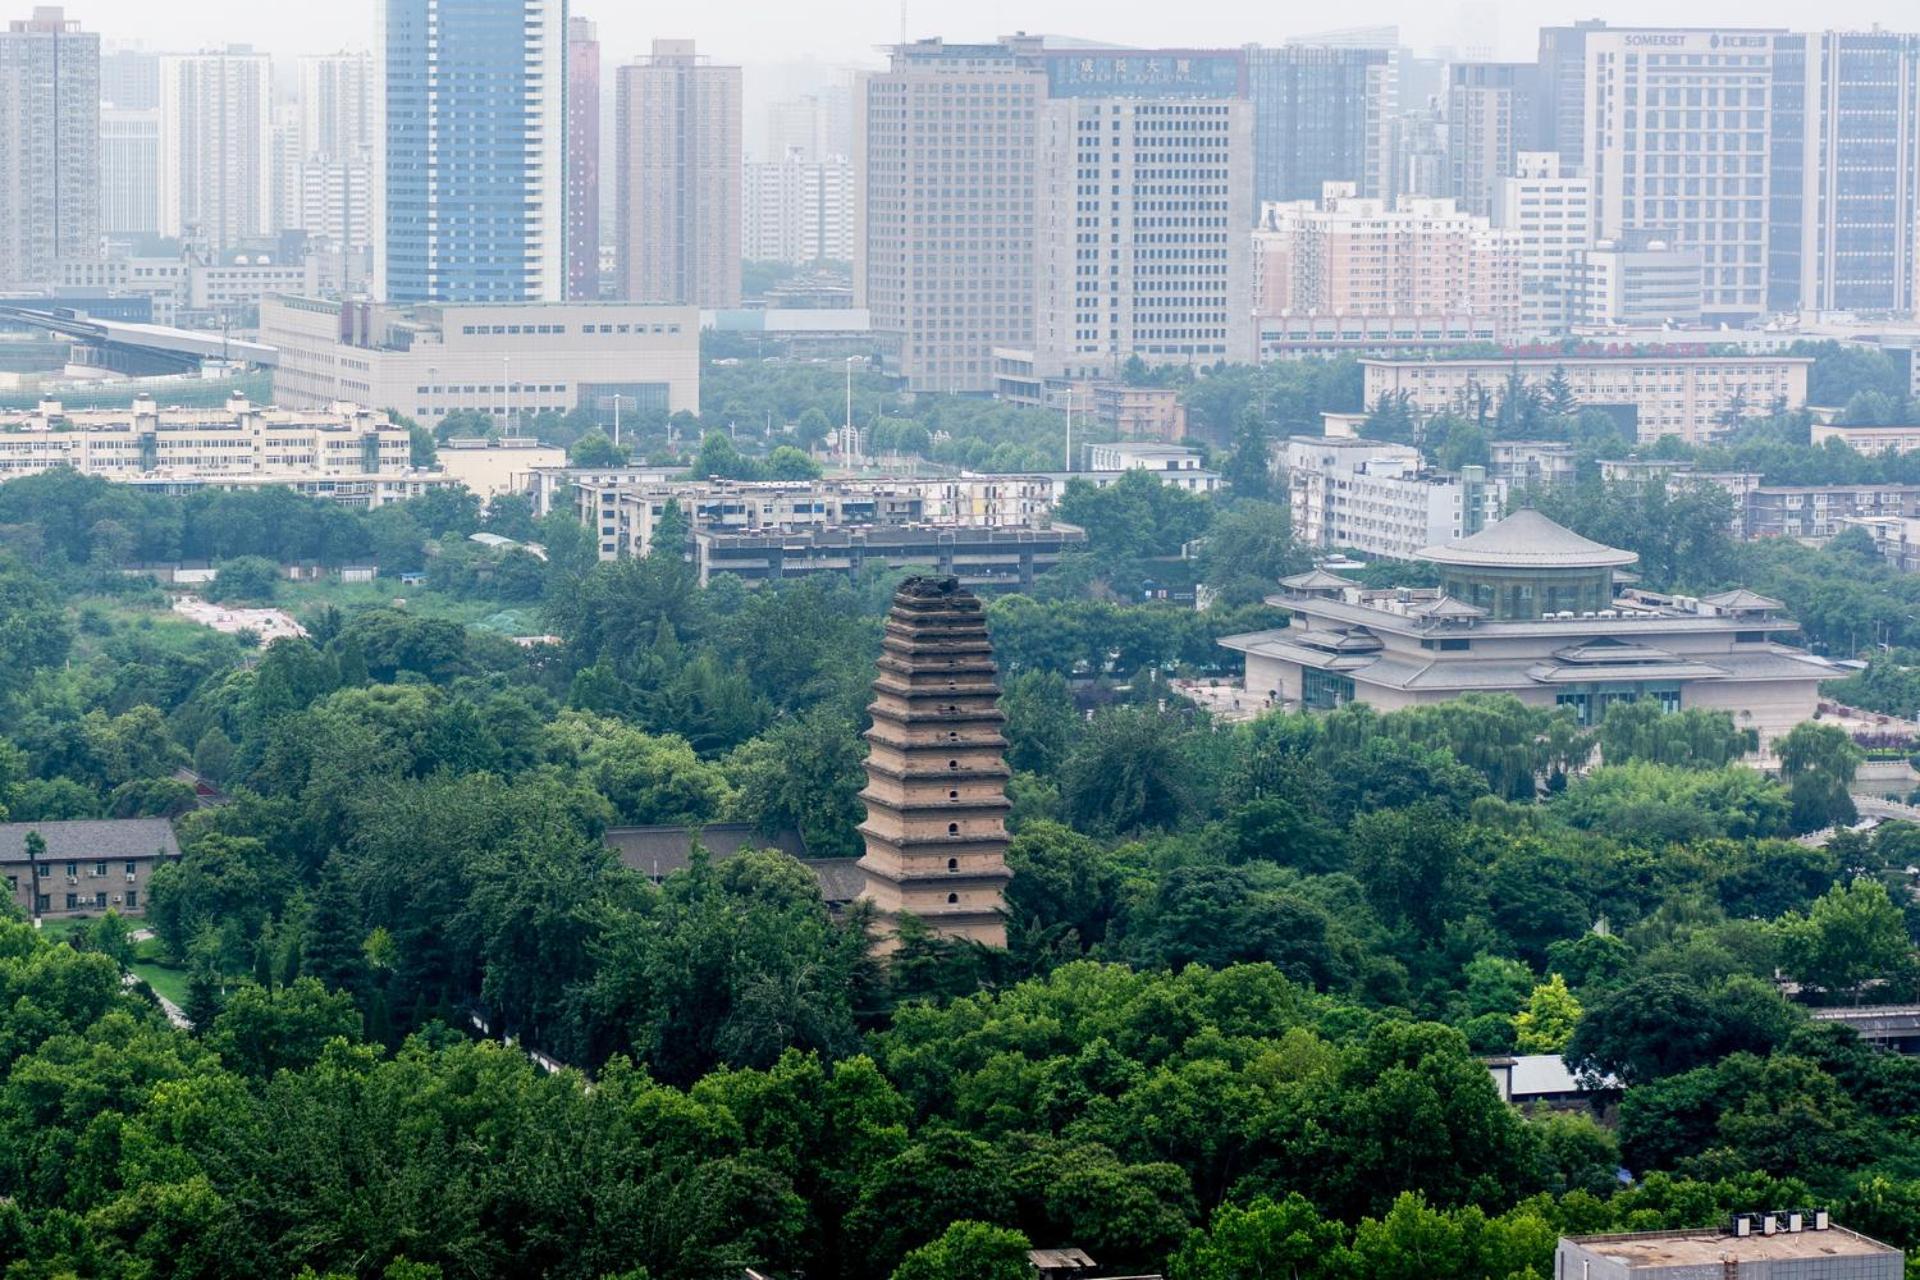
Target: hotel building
{"type": "Point", "coordinates": [1679, 142]}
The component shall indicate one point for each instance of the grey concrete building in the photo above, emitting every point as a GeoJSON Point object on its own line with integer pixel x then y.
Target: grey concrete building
{"type": "Point", "coordinates": [1142, 242]}
{"type": "Point", "coordinates": [1493, 113]}
{"type": "Point", "coordinates": [945, 145]}
{"type": "Point", "coordinates": [1563, 89]}
{"type": "Point", "coordinates": [677, 219]}
{"type": "Point", "coordinates": [1639, 278]}
{"type": "Point", "coordinates": [1815, 512]}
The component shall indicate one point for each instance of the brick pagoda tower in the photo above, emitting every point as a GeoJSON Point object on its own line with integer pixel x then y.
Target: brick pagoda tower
{"type": "Point", "coordinates": [936, 797]}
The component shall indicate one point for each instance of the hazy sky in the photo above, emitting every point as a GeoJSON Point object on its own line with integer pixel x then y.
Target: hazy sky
{"type": "Point", "coordinates": [832, 31]}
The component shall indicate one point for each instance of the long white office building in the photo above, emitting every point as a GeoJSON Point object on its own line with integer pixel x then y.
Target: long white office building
{"type": "Point", "coordinates": [344, 453]}
{"type": "Point", "coordinates": [240, 439]}
{"type": "Point", "coordinates": [1379, 498]}
{"type": "Point", "coordinates": [1669, 391]}
{"type": "Point", "coordinates": [509, 360]}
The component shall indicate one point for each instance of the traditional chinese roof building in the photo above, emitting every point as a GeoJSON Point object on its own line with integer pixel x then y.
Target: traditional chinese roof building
{"type": "Point", "coordinates": [1530, 608]}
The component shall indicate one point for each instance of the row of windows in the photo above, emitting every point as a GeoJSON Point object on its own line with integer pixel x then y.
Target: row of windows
{"type": "Point", "coordinates": [73, 869]}
{"type": "Point", "coordinates": [515, 330]}
{"type": "Point", "coordinates": [44, 901]}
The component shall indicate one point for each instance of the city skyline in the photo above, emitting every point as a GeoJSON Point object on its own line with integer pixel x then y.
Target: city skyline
{"type": "Point", "coordinates": [793, 37]}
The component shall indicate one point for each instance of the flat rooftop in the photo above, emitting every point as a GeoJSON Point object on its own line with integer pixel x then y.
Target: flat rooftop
{"type": "Point", "coordinates": [1711, 1246]}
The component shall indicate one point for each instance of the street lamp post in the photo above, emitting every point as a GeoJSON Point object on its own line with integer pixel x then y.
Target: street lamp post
{"type": "Point", "coordinates": [846, 441]}
{"type": "Point", "coordinates": [1069, 429]}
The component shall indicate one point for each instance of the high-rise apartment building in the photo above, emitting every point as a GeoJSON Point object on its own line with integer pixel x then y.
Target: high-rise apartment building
{"type": "Point", "coordinates": [326, 145]}
{"type": "Point", "coordinates": [216, 146]}
{"type": "Point", "coordinates": [1492, 116]}
{"type": "Point", "coordinates": [1146, 169]}
{"type": "Point", "coordinates": [130, 78]}
{"type": "Point", "coordinates": [129, 171]}
{"type": "Point", "coordinates": [1562, 72]}
{"type": "Point", "coordinates": [1845, 172]}
{"type": "Point", "coordinates": [1420, 257]}
{"type": "Point", "coordinates": [49, 146]}
{"type": "Point", "coordinates": [679, 156]}
{"type": "Point", "coordinates": [337, 104]}
{"type": "Point", "coordinates": [797, 127]}
{"type": "Point", "coordinates": [1546, 204]}
{"type": "Point", "coordinates": [583, 160]}
{"type": "Point", "coordinates": [470, 173]}
{"type": "Point", "coordinates": [797, 211]}
{"type": "Point", "coordinates": [945, 142]}
{"type": "Point", "coordinates": [1322, 113]}
{"type": "Point", "coordinates": [1679, 142]}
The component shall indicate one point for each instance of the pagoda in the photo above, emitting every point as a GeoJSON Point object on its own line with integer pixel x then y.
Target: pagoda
{"type": "Point", "coordinates": [936, 835]}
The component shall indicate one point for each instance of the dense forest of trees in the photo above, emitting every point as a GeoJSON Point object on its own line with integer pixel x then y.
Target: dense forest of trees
{"type": "Point", "coordinates": [1251, 969]}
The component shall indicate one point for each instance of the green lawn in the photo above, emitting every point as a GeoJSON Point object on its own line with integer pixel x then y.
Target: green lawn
{"type": "Point", "coordinates": [170, 983]}
{"type": "Point", "coordinates": [299, 598]}
{"type": "Point", "coordinates": [61, 930]}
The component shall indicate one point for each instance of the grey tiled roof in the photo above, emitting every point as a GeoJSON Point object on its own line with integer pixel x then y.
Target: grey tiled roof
{"type": "Point", "coordinates": [841, 879]}
{"type": "Point", "coordinates": [92, 838]}
{"type": "Point", "coordinates": [658, 852]}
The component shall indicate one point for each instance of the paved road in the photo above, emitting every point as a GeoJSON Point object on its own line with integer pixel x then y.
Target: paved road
{"type": "Point", "coordinates": [173, 1011]}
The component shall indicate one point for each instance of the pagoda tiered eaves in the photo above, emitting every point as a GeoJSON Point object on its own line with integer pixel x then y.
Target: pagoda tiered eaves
{"type": "Point", "coordinates": [936, 770]}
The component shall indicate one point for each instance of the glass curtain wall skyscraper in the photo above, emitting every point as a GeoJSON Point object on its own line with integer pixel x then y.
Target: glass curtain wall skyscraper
{"type": "Point", "coordinates": [1845, 194]}
{"type": "Point", "coordinates": [472, 171]}
{"type": "Point", "coordinates": [1320, 114]}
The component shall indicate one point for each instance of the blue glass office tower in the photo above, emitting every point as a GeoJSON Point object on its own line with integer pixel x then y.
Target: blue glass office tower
{"type": "Point", "coordinates": [1320, 114]}
{"type": "Point", "coordinates": [1844, 172]}
{"type": "Point", "coordinates": [472, 186]}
